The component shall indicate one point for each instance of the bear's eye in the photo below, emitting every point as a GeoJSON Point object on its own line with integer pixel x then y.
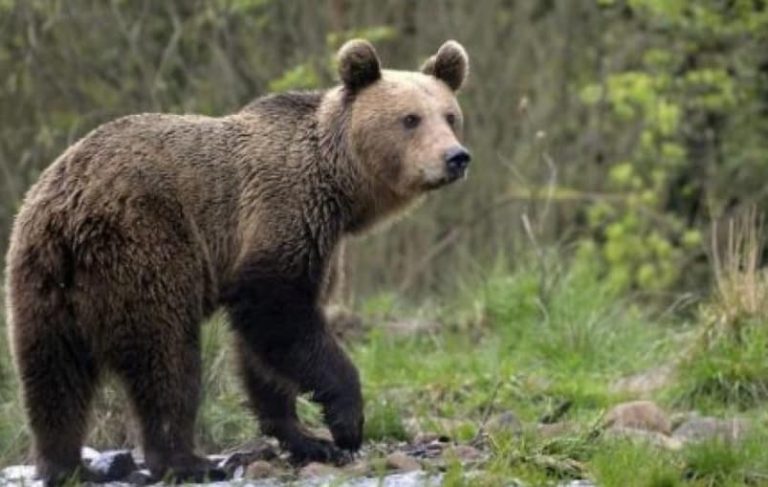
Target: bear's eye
{"type": "Point", "coordinates": [411, 121]}
{"type": "Point", "coordinates": [451, 119]}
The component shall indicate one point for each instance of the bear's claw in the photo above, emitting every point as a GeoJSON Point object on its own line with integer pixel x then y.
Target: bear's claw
{"type": "Point", "coordinates": [310, 449]}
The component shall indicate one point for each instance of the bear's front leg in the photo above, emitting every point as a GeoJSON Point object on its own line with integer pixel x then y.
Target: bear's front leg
{"type": "Point", "coordinates": [273, 398]}
{"type": "Point", "coordinates": [285, 328]}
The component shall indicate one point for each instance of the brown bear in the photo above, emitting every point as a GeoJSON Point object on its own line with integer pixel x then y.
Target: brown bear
{"type": "Point", "coordinates": [143, 228]}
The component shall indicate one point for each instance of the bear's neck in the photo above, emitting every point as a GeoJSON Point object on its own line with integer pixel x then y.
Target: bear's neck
{"type": "Point", "coordinates": [362, 201]}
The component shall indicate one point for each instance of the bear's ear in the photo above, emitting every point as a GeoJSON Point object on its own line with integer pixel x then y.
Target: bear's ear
{"type": "Point", "coordinates": [450, 64]}
{"type": "Point", "coordinates": [358, 64]}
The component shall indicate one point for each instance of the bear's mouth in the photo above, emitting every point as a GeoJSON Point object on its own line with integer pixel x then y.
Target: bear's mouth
{"type": "Point", "coordinates": [444, 180]}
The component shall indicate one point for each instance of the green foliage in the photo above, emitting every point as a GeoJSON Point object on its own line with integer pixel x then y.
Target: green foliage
{"type": "Point", "coordinates": [722, 463]}
{"type": "Point", "coordinates": [641, 244]}
{"type": "Point", "coordinates": [727, 370]}
{"type": "Point", "coordinates": [564, 348]}
{"type": "Point", "coordinates": [572, 322]}
{"type": "Point", "coordinates": [681, 97]}
{"type": "Point", "coordinates": [383, 421]}
{"type": "Point", "coordinates": [376, 34]}
{"type": "Point", "coordinates": [653, 111]}
{"type": "Point", "coordinates": [303, 76]}
{"type": "Point", "coordinates": [224, 418]}
{"type": "Point", "coordinates": [627, 464]}
{"type": "Point", "coordinates": [726, 365]}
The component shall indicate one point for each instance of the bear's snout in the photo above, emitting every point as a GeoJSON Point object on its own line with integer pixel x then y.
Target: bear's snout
{"type": "Point", "coordinates": [457, 159]}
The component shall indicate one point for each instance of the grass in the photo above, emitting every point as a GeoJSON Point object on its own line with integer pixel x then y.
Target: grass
{"type": "Point", "coordinates": [532, 352]}
{"type": "Point", "coordinates": [728, 365]}
{"type": "Point", "coordinates": [731, 371]}
{"type": "Point", "coordinates": [513, 342]}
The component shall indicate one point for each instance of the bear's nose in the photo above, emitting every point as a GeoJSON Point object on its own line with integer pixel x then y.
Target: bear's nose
{"type": "Point", "coordinates": [457, 159]}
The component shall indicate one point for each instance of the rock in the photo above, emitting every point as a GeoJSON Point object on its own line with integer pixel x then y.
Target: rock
{"type": "Point", "coordinates": [416, 478]}
{"type": "Point", "coordinates": [642, 415]}
{"type": "Point", "coordinates": [425, 438]}
{"type": "Point", "coordinates": [577, 483]}
{"type": "Point", "coordinates": [680, 417]}
{"type": "Point", "coordinates": [112, 466]}
{"type": "Point", "coordinates": [433, 449]}
{"type": "Point", "coordinates": [18, 474]}
{"type": "Point", "coordinates": [650, 437]}
{"type": "Point", "coordinates": [645, 382]}
{"type": "Point", "coordinates": [260, 469]}
{"type": "Point", "coordinates": [705, 428]}
{"type": "Point", "coordinates": [554, 430]}
{"type": "Point", "coordinates": [316, 469]}
{"type": "Point", "coordinates": [89, 454]}
{"type": "Point", "coordinates": [430, 439]}
{"type": "Point", "coordinates": [465, 453]}
{"type": "Point", "coordinates": [401, 462]}
{"type": "Point", "coordinates": [360, 468]}
{"type": "Point", "coordinates": [506, 422]}
{"type": "Point", "coordinates": [242, 459]}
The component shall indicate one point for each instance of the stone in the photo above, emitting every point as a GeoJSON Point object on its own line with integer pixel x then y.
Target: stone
{"type": "Point", "coordinates": [577, 483]}
{"type": "Point", "coordinates": [433, 449]}
{"type": "Point", "coordinates": [425, 438]}
{"type": "Point", "coordinates": [680, 417]}
{"type": "Point", "coordinates": [89, 454]}
{"type": "Point", "coordinates": [642, 415]}
{"type": "Point", "coordinates": [401, 462]}
{"type": "Point", "coordinates": [112, 466]}
{"type": "Point", "coordinates": [697, 429]}
{"type": "Point", "coordinates": [18, 475]}
{"type": "Point", "coordinates": [260, 469]}
{"type": "Point", "coordinates": [317, 469]}
{"type": "Point", "coordinates": [232, 462]}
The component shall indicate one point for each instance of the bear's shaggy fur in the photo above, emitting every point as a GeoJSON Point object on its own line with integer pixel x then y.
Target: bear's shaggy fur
{"type": "Point", "coordinates": [147, 225]}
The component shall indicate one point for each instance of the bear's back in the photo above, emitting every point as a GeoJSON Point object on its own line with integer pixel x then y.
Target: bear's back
{"type": "Point", "coordinates": [140, 167]}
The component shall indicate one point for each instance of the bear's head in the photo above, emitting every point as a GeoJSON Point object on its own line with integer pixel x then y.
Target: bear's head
{"type": "Point", "coordinates": [405, 127]}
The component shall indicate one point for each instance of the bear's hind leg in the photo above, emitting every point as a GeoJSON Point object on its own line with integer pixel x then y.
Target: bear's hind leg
{"type": "Point", "coordinates": [273, 399]}
{"type": "Point", "coordinates": [58, 379]}
{"type": "Point", "coordinates": [161, 373]}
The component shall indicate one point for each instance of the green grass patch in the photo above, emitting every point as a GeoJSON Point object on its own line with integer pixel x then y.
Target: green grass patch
{"type": "Point", "coordinates": [716, 463]}
{"type": "Point", "coordinates": [627, 464]}
{"type": "Point", "coordinates": [728, 370]}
